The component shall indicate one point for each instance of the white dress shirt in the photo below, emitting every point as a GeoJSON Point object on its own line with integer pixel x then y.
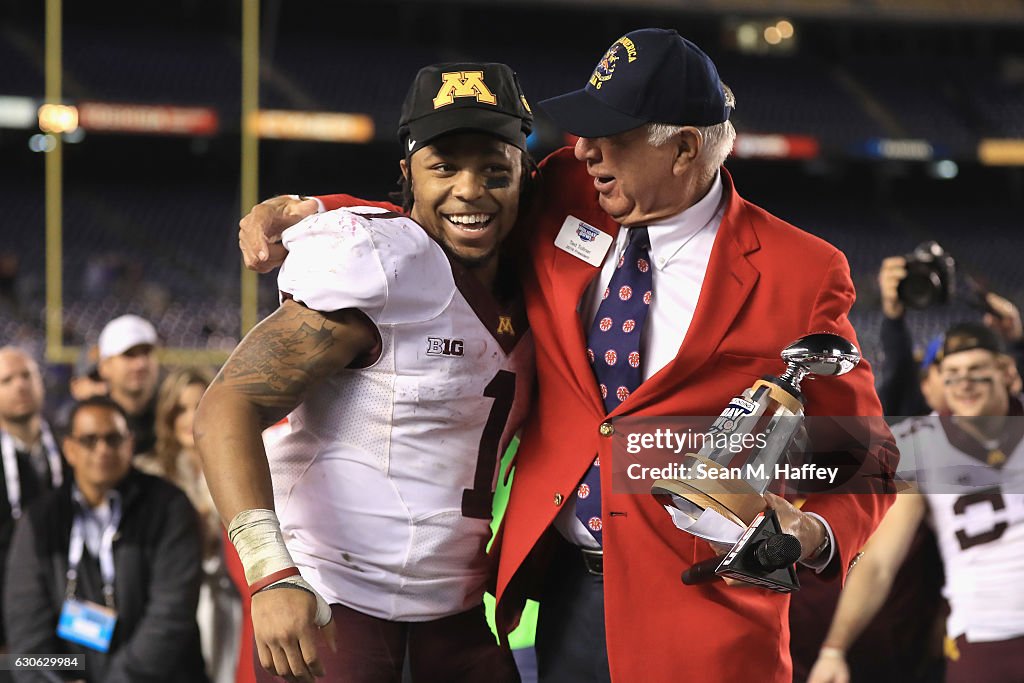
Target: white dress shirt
{"type": "Point", "coordinates": [679, 254]}
{"type": "Point", "coordinates": [95, 520]}
{"type": "Point", "coordinates": [680, 251]}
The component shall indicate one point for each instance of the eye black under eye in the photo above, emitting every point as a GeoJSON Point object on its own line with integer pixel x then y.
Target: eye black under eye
{"type": "Point", "coordinates": [498, 182]}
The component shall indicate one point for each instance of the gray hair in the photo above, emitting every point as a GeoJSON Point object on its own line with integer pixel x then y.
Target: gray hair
{"type": "Point", "coordinates": [718, 138]}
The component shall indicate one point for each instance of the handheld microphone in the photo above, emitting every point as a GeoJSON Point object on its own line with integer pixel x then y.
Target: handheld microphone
{"type": "Point", "coordinates": [776, 552]}
{"type": "Point", "coordinates": [702, 572]}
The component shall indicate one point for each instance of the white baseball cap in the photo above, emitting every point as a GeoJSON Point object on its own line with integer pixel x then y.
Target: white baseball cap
{"type": "Point", "coordinates": [121, 334]}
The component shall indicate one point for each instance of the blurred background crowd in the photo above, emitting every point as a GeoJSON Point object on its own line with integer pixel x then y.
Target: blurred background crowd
{"type": "Point", "coordinates": [892, 128]}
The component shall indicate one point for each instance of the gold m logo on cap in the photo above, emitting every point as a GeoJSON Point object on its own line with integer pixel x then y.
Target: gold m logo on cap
{"type": "Point", "coordinates": [463, 84]}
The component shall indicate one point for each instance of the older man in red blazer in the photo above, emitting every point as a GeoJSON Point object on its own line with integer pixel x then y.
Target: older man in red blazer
{"type": "Point", "coordinates": [735, 285]}
{"type": "Point", "coordinates": [732, 286]}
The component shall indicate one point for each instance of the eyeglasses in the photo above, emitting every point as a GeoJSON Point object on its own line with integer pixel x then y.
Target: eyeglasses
{"type": "Point", "coordinates": [969, 379]}
{"type": "Point", "coordinates": [90, 441]}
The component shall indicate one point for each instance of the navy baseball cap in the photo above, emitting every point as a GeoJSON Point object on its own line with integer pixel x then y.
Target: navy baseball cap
{"type": "Point", "coordinates": [447, 98]}
{"type": "Point", "coordinates": [652, 75]}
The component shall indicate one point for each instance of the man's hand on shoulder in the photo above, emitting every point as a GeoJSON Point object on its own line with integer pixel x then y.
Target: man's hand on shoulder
{"type": "Point", "coordinates": [259, 231]}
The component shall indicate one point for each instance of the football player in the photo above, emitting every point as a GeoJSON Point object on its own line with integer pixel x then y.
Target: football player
{"type": "Point", "coordinates": [969, 470]}
{"type": "Point", "coordinates": [402, 356]}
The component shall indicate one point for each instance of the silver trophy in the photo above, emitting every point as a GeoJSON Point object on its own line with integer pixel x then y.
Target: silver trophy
{"type": "Point", "coordinates": [772, 408]}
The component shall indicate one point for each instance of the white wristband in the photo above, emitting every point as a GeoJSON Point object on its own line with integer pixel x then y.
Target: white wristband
{"type": "Point", "coordinates": [256, 535]}
{"type": "Point", "coordinates": [829, 652]}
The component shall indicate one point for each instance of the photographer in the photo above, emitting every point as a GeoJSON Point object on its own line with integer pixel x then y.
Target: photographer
{"type": "Point", "coordinates": [907, 387]}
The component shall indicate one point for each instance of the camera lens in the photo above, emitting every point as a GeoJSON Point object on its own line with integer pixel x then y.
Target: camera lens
{"type": "Point", "coordinates": [921, 288]}
{"type": "Point", "coordinates": [930, 280]}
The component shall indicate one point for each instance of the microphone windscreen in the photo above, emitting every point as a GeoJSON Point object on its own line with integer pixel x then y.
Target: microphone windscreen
{"type": "Point", "coordinates": [781, 550]}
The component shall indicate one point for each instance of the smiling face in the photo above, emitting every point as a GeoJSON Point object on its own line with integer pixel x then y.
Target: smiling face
{"type": "Point", "coordinates": [635, 181]}
{"type": "Point", "coordinates": [99, 449]}
{"type": "Point", "coordinates": [466, 190]}
{"type": "Point", "coordinates": [976, 384]}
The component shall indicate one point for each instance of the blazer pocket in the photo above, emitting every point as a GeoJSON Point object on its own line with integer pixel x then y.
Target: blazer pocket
{"type": "Point", "coordinates": [753, 367]}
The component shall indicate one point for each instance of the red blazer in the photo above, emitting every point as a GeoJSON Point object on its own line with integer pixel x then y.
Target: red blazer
{"type": "Point", "coordinates": [767, 284]}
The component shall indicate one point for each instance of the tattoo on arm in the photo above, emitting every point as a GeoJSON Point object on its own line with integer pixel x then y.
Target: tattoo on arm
{"type": "Point", "coordinates": [286, 354]}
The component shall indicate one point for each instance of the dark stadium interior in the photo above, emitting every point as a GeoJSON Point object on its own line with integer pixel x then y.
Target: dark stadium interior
{"type": "Point", "coordinates": [149, 220]}
{"type": "Point", "coordinates": [878, 125]}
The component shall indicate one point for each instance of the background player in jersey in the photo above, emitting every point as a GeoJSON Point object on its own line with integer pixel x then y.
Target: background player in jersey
{"type": "Point", "coordinates": [401, 351]}
{"type": "Point", "coordinates": [969, 467]}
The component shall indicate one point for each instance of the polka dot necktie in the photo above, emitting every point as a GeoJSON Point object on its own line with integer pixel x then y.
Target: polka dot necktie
{"type": "Point", "coordinates": [613, 347]}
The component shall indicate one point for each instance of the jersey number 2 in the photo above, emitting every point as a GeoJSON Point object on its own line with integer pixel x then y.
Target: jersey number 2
{"type": "Point", "coordinates": [476, 502]}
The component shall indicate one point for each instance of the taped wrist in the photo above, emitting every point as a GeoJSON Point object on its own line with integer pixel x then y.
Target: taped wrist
{"type": "Point", "coordinates": [256, 535]}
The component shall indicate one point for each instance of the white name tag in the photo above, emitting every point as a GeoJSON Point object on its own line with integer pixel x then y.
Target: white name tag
{"type": "Point", "coordinates": [583, 241]}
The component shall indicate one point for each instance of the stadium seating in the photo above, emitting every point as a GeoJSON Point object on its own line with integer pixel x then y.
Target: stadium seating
{"type": "Point", "coordinates": [950, 101]}
{"type": "Point", "coordinates": [795, 95]}
{"type": "Point", "coordinates": [191, 290]}
{"type": "Point", "coordinates": [154, 67]}
{"type": "Point", "coordinates": [22, 72]}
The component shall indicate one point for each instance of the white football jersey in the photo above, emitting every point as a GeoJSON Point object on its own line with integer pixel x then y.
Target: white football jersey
{"type": "Point", "coordinates": [977, 512]}
{"type": "Point", "coordinates": [383, 485]}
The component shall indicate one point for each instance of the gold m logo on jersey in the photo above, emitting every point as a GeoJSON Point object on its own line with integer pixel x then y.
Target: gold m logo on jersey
{"type": "Point", "coordinates": [463, 84]}
{"type": "Point", "coordinates": [505, 325]}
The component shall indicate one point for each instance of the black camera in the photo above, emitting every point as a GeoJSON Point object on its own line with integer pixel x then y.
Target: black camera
{"type": "Point", "coordinates": [931, 277]}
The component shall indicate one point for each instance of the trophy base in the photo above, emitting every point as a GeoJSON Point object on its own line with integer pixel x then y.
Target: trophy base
{"type": "Point", "coordinates": [734, 499]}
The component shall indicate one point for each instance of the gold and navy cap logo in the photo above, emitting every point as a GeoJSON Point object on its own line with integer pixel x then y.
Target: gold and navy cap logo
{"type": "Point", "coordinates": [647, 76]}
{"type": "Point", "coordinates": [463, 84]}
{"type": "Point", "coordinates": [483, 97]}
{"type": "Point", "coordinates": [623, 48]}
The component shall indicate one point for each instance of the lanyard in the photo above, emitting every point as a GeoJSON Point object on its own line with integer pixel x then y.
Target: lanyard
{"type": "Point", "coordinates": [12, 478]}
{"type": "Point", "coordinates": [106, 555]}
